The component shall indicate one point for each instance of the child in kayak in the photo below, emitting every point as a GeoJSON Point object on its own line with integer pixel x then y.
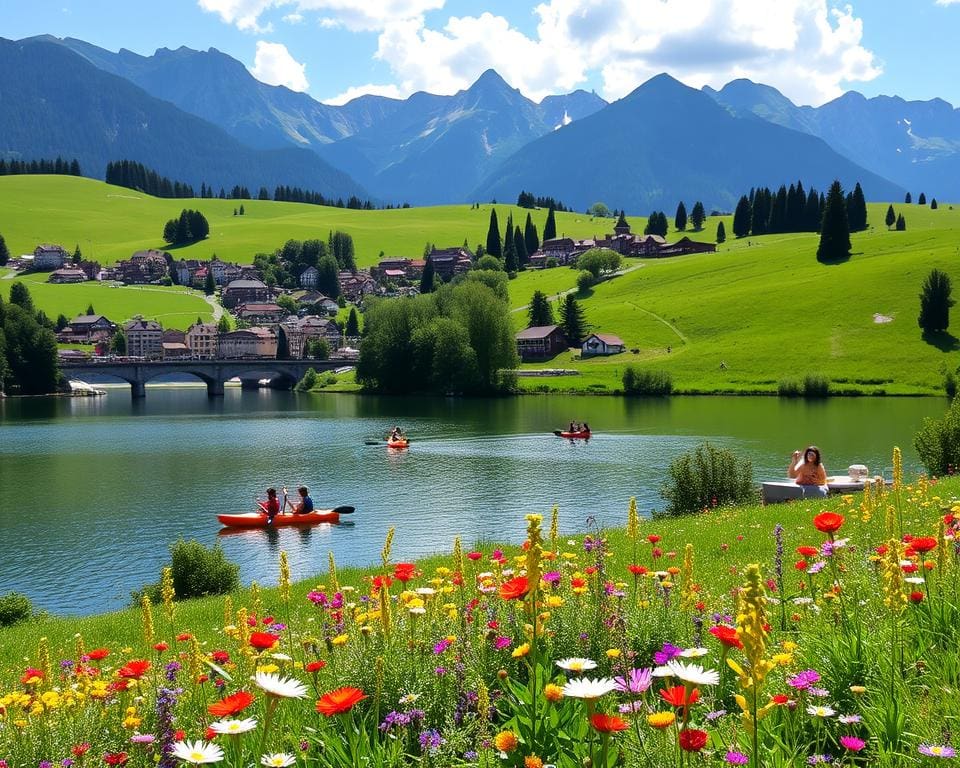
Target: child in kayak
{"type": "Point", "coordinates": [305, 506]}
{"type": "Point", "coordinates": [271, 506]}
{"type": "Point", "coordinates": [397, 434]}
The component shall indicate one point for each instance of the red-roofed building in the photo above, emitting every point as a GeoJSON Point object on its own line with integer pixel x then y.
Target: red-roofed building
{"type": "Point", "coordinates": [540, 342]}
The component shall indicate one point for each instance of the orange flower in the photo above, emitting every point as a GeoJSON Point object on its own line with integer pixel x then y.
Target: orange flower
{"type": "Point", "coordinates": [637, 570]}
{"type": "Point", "coordinates": [403, 572]}
{"type": "Point", "coordinates": [728, 636]}
{"type": "Point", "coordinates": [315, 666]}
{"type": "Point", "coordinates": [677, 697]}
{"type": "Point", "coordinates": [231, 705]}
{"type": "Point", "coordinates": [506, 741]}
{"type": "Point", "coordinates": [263, 640]}
{"type": "Point", "coordinates": [134, 669]}
{"type": "Point", "coordinates": [807, 551]}
{"type": "Point", "coordinates": [338, 701]}
{"type": "Point", "coordinates": [515, 589]}
{"type": "Point", "coordinates": [828, 522]}
{"type": "Point", "coordinates": [97, 654]}
{"type": "Point", "coordinates": [608, 723]}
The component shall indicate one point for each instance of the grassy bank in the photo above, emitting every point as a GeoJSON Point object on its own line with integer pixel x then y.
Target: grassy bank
{"type": "Point", "coordinates": [865, 628]}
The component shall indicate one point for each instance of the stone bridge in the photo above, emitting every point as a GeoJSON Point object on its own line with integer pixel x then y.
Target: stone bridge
{"type": "Point", "coordinates": [283, 374]}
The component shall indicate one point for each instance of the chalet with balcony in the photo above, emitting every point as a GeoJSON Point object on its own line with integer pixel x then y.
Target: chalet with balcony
{"type": "Point", "coordinates": [540, 342]}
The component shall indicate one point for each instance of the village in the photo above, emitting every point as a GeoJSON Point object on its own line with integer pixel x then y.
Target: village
{"type": "Point", "coordinates": [300, 323]}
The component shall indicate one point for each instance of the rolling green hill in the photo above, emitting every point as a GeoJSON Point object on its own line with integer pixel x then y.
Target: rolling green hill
{"type": "Point", "coordinates": [110, 223]}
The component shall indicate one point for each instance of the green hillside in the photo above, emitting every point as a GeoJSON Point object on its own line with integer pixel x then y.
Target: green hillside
{"type": "Point", "coordinates": [110, 223]}
{"type": "Point", "coordinates": [762, 309]}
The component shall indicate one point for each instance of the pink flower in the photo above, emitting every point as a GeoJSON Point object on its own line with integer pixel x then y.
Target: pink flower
{"type": "Point", "coordinates": [852, 743]}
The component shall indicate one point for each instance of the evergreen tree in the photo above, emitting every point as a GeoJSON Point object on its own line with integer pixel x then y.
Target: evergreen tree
{"type": "Point", "coordinates": [908, 199]}
{"type": "Point", "coordinates": [494, 243]}
{"type": "Point", "coordinates": [283, 344]}
{"type": "Point", "coordinates": [901, 223]}
{"type": "Point", "coordinates": [241, 209]}
{"type": "Point", "coordinates": [933, 207]}
{"type": "Point", "coordinates": [209, 286]}
{"type": "Point", "coordinates": [540, 312]}
{"type": "Point", "coordinates": [935, 302]}
{"type": "Point", "coordinates": [835, 229]}
{"type": "Point", "coordinates": [680, 219]}
{"type": "Point", "coordinates": [4, 252]}
{"type": "Point", "coordinates": [697, 216]}
{"type": "Point", "coordinates": [328, 281]}
{"type": "Point", "coordinates": [62, 322]}
{"type": "Point", "coordinates": [721, 233]}
{"type": "Point", "coordinates": [857, 210]}
{"type": "Point", "coordinates": [922, 200]}
{"type": "Point", "coordinates": [741, 217]}
{"type": "Point", "coordinates": [510, 263]}
{"type": "Point", "coordinates": [573, 320]}
{"type": "Point", "coordinates": [550, 226]}
{"type": "Point", "coordinates": [891, 217]}
{"type": "Point", "coordinates": [183, 229]}
{"type": "Point", "coordinates": [353, 324]}
{"type": "Point", "coordinates": [428, 277]}
{"type": "Point", "coordinates": [77, 255]}
{"type": "Point", "coordinates": [223, 324]}
{"type": "Point", "coordinates": [90, 309]}
{"type": "Point", "coordinates": [812, 212]}
{"type": "Point", "coordinates": [520, 246]}
{"type": "Point", "coordinates": [20, 295]}
{"type": "Point", "coordinates": [530, 237]}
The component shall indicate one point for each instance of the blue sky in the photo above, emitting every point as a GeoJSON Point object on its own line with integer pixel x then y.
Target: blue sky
{"type": "Point", "coordinates": [812, 50]}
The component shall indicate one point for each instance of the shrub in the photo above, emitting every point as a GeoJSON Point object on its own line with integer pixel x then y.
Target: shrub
{"type": "Point", "coordinates": [789, 388]}
{"type": "Point", "coordinates": [14, 608]}
{"type": "Point", "coordinates": [950, 384]}
{"type": "Point", "coordinates": [198, 571]}
{"type": "Point", "coordinates": [584, 281]}
{"type": "Point", "coordinates": [708, 477]}
{"type": "Point", "coordinates": [551, 263]}
{"type": "Point", "coordinates": [641, 382]}
{"type": "Point", "coordinates": [938, 441]}
{"type": "Point", "coordinates": [308, 381]}
{"type": "Point", "coordinates": [813, 385]}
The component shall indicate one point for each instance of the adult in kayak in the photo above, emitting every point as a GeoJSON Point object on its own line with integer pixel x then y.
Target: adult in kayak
{"type": "Point", "coordinates": [271, 506]}
{"type": "Point", "coordinates": [305, 505]}
{"type": "Point", "coordinates": [396, 435]}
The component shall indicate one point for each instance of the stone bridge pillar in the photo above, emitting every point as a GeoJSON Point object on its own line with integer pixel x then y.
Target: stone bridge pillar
{"type": "Point", "coordinates": [215, 388]}
{"type": "Point", "coordinates": [138, 389]}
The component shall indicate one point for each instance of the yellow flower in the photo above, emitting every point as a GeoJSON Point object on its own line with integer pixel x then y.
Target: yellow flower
{"type": "Point", "coordinates": [552, 693]}
{"type": "Point", "coordinates": [858, 690]}
{"type": "Point", "coordinates": [520, 651]}
{"type": "Point", "coordinates": [268, 668]}
{"type": "Point", "coordinates": [661, 719]}
{"type": "Point", "coordinates": [613, 653]}
{"type": "Point", "coordinates": [782, 659]}
{"type": "Point", "coordinates": [554, 601]}
{"type": "Point", "coordinates": [340, 640]}
{"type": "Point", "coordinates": [505, 741]}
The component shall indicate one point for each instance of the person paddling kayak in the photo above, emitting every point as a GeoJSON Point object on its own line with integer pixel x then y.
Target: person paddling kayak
{"type": "Point", "coordinates": [305, 505]}
{"type": "Point", "coordinates": [271, 506]}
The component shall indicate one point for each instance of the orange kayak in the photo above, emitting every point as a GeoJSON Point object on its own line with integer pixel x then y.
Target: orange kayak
{"type": "Point", "coordinates": [397, 443]}
{"type": "Point", "coordinates": [573, 435]}
{"type": "Point", "coordinates": [259, 519]}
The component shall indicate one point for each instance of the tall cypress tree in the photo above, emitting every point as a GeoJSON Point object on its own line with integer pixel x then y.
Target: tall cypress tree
{"type": "Point", "coordinates": [494, 247]}
{"type": "Point", "coordinates": [550, 226]}
{"type": "Point", "coordinates": [891, 217]}
{"type": "Point", "coordinates": [741, 217]}
{"type": "Point", "coordinates": [353, 323]}
{"type": "Point", "coordinates": [697, 216]}
{"type": "Point", "coordinates": [721, 233]}
{"type": "Point", "coordinates": [4, 252]}
{"type": "Point", "coordinates": [908, 198]}
{"type": "Point", "coordinates": [510, 258]}
{"type": "Point", "coordinates": [680, 219]}
{"type": "Point", "coordinates": [520, 246]}
{"type": "Point", "coordinates": [922, 200]}
{"type": "Point", "coordinates": [901, 223]}
{"type": "Point", "coordinates": [530, 237]}
{"type": "Point", "coordinates": [857, 211]}
{"type": "Point", "coordinates": [811, 212]}
{"type": "Point", "coordinates": [427, 278]}
{"type": "Point", "coordinates": [935, 302]}
{"type": "Point", "coordinates": [835, 228]}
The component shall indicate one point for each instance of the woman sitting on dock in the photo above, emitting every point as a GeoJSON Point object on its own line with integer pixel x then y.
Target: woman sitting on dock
{"type": "Point", "coordinates": [809, 471]}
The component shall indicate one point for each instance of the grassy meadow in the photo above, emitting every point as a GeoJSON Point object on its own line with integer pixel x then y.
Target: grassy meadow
{"type": "Point", "coordinates": [831, 626]}
{"type": "Point", "coordinates": [110, 223]}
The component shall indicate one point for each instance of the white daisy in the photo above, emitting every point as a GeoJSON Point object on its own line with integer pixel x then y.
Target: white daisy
{"type": "Point", "coordinates": [196, 752]}
{"type": "Point", "coordinates": [821, 711]}
{"type": "Point", "coordinates": [688, 673]}
{"type": "Point", "coordinates": [914, 580]}
{"type": "Point", "coordinates": [585, 688]}
{"type": "Point", "coordinates": [426, 591]}
{"type": "Point", "coordinates": [281, 687]}
{"type": "Point", "coordinates": [575, 664]}
{"type": "Point", "coordinates": [418, 610]}
{"type": "Point", "coordinates": [281, 657]}
{"type": "Point", "coordinates": [233, 727]}
{"type": "Point", "coordinates": [694, 653]}
{"type": "Point", "coordinates": [278, 760]}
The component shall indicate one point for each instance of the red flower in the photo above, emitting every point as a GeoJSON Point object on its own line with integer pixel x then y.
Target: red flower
{"type": "Point", "coordinates": [828, 522]}
{"type": "Point", "coordinates": [134, 669]}
{"type": "Point", "coordinates": [923, 544]}
{"type": "Point", "coordinates": [119, 685]}
{"type": "Point", "coordinates": [692, 740]}
{"type": "Point", "coordinates": [29, 674]}
{"type": "Point", "coordinates": [179, 734]}
{"type": "Point", "coordinates": [637, 570]}
{"type": "Point", "coordinates": [403, 572]}
{"type": "Point", "coordinates": [160, 647]}
{"type": "Point", "coordinates": [881, 550]}
{"type": "Point", "coordinates": [115, 758]}
{"type": "Point", "coordinates": [263, 640]}
{"type": "Point", "coordinates": [515, 589]}
{"type": "Point", "coordinates": [184, 636]}
{"type": "Point", "coordinates": [677, 696]}
{"type": "Point", "coordinates": [381, 582]}
{"type": "Point", "coordinates": [78, 750]}
{"type": "Point", "coordinates": [909, 567]}
{"type": "Point", "coordinates": [780, 698]}
{"type": "Point", "coordinates": [474, 555]}
{"type": "Point", "coordinates": [727, 636]}
{"type": "Point", "coordinates": [653, 538]}
{"type": "Point", "coordinates": [98, 653]}
{"type": "Point", "coordinates": [801, 565]}
{"type": "Point", "coordinates": [267, 621]}
{"type": "Point", "coordinates": [578, 582]}
{"type": "Point", "coordinates": [806, 551]}
{"type": "Point", "coordinates": [340, 700]}
{"type": "Point", "coordinates": [916, 597]}
{"type": "Point", "coordinates": [221, 657]}
{"type": "Point", "coordinates": [210, 734]}
{"type": "Point", "coordinates": [315, 666]}
{"type": "Point", "coordinates": [590, 570]}
{"type": "Point", "coordinates": [608, 723]}
{"type": "Point", "coordinates": [231, 705]}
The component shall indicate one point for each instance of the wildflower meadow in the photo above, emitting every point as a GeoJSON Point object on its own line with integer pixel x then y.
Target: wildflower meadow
{"type": "Point", "coordinates": [800, 634]}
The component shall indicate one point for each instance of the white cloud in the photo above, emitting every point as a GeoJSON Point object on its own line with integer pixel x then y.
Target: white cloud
{"type": "Point", "coordinates": [948, 2]}
{"type": "Point", "coordinates": [244, 13]}
{"type": "Point", "coordinates": [274, 65]}
{"type": "Point", "coordinates": [356, 15]}
{"type": "Point", "coordinates": [362, 90]}
{"type": "Point", "coordinates": [293, 18]}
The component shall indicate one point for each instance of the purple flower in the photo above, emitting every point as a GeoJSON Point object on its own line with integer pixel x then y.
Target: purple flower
{"type": "Point", "coordinates": [668, 652]}
{"type": "Point", "coordinates": [66, 664]}
{"type": "Point", "coordinates": [849, 719]}
{"type": "Point", "coordinates": [551, 577]}
{"type": "Point", "coordinates": [440, 671]}
{"type": "Point", "coordinates": [819, 759]}
{"type": "Point", "coordinates": [441, 646]}
{"type": "Point", "coordinates": [66, 762]}
{"type": "Point", "coordinates": [815, 569]}
{"type": "Point", "coordinates": [45, 764]}
{"type": "Point", "coordinates": [715, 715]}
{"type": "Point", "coordinates": [804, 679]}
{"type": "Point", "coordinates": [636, 681]}
{"type": "Point", "coordinates": [937, 750]}
{"type": "Point", "coordinates": [501, 642]}
{"type": "Point", "coordinates": [736, 758]}
{"type": "Point", "coordinates": [633, 708]}
{"type": "Point", "coordinates": [820, 692]}
{"type": "Point", "coordinates": [826, 549]}
{"type": "Point", "coordinates": [171, 669]}
{"type": "Point", "coordinates": [143, 738]}
{"type": "Point", "coordinates": [430, 740]}
{"type": "Point", "coordinates": [470, 755]}
{"type": "Point", "coordinates": [852, 743]}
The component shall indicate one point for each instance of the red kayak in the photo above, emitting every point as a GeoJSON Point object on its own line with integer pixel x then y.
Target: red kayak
{"type": "Point", "coordinates": [259, 519]}
{"type": "Point", "coordinates": [398, 443]}
{"type": "Point", "coordinates": [573, 435]}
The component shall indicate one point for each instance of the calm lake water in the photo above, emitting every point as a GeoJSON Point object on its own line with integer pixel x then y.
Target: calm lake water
{"type": "Point", "coordinates": [93, 490]}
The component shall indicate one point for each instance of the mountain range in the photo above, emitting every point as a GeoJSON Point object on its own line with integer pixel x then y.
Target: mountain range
{"type": "Point", "coordinates": [200, 115]}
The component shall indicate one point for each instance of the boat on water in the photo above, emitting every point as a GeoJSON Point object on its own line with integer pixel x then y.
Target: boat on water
{"type": "Point", "coordinates": [581, 435]}
{"type": "Point", "coordinates": [259, 519]}
{"type": "Point", "coordinates": [403, 443]}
